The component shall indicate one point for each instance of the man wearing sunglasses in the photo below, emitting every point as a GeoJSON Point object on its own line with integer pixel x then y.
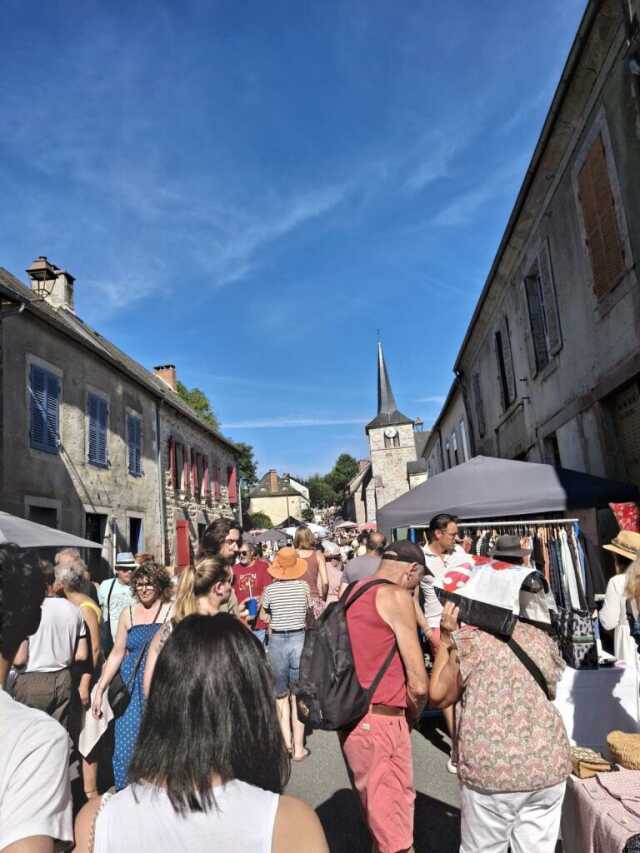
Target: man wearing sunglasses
{"type": "Point", "coordinates": [114, 594]}
{"type": "Point", "coordinates": [251, 577]}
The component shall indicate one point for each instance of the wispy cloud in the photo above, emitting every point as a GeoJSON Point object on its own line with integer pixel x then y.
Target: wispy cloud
{"type": "Point", "coordinates": [436, 399]}
{"type": "Point", "coordinates": [291, 423]}
{"type": "Point", "coordinates": [463, 208]}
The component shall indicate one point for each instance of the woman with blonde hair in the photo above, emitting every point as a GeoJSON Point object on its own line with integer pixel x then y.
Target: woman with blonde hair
{"type": "Point", "coordinates": [623, 594]}
{"type": "Point", "coordinates": [316, 574]}
{"type": "Point", "coordinates": [202, 589]}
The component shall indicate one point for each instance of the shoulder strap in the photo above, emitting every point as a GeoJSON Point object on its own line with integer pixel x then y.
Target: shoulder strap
{"type": "Point", "coordinates": [361, 591]}
{"type": "Point", "coordinates": [109, 598]}
{"type": "Point", "coordinates": [533, 668]}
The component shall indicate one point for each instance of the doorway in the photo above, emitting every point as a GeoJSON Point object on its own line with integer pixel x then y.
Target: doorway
{"type": "Point", "coordinates": [136, 537]}
{"type": "Point", "coordinates": [95, 526]}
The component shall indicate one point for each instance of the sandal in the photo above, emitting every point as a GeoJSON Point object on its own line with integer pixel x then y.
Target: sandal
{"type": "Point", "coordinates": [303, 757]}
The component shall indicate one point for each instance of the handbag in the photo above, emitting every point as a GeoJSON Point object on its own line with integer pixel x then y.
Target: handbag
{"type": "Point", "coordinates": [574, 629]}
{"type": "Point", "coordinates": [106, 637]}
{"type": "Point", "coordinates": [119, 690]}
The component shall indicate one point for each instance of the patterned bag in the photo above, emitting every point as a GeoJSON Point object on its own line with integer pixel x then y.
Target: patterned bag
{"type": "Point", "coordinates": [574, 629]}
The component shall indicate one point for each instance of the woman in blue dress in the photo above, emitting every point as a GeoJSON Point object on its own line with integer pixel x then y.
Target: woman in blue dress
{"type": "Point", "coordinates": [137, 627]}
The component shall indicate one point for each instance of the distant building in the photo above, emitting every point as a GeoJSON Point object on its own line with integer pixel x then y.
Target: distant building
{"type": "Point", "coordinates": [86, 431]}
{"type": "Point", "coordinates": [281, 498]}
{"type": "Point", "coordinates": [396, 444]}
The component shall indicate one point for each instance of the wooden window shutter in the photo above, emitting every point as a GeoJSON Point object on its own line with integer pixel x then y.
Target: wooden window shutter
{"type": "Point", "coordinates": [183, 545]}
{"type": "Point", "coordinates": [185, 469]}
{"type": "Point", "coordinates": [215, 486]}
{"type": "Point", "coordinates": [38, 395]}
{"type": "Point", "coordinates": [205, 478]}
{"type": "Point", "coordinates": [606, 250]}
{"type": "Point", "coordinates": [98, 415]}
{"type": "Point", "coordinates": [131, 443]}
{"type": "Point", "coordinates": [479, 405]}
{"type": "Point", "coordinates": [508, 361]}
{"type": "Point", "coordinates": [539, 356]}
{"type": "Point", "coordinates": [134, 431]}
{"type": "Point", "coordinates": [92, 405]}
{"type": "Point", "coordinates": [53, 411]}
{"type": "Point", "coordinates": [550, 299]}
{"type": "Point", "coordinates": [172, 463]}
{"type": "Point", "coordinates": [232, 484]}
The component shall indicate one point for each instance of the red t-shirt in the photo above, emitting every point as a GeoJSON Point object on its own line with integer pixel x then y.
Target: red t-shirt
{"type": "Point", "coordinates": [251, 581]}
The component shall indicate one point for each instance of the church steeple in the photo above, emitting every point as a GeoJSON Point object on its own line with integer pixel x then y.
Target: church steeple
{"type": "Point", "coordinates": [388, 413]}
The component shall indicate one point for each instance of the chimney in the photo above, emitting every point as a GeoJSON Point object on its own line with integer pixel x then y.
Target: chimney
{"type": "Point", "coordinates": [273, 480]}
{"type": "Point", "coordinates": [167, 372]}
{"type": "Point", "coordinates": [53, 284]}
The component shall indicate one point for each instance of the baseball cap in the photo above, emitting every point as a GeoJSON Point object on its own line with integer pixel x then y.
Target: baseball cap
{"type": "Point", "coordinates": [404, 551]}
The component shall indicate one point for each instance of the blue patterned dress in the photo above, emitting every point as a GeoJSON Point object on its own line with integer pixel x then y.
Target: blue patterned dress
{"type": "Point", "coordinates": [128, 725]}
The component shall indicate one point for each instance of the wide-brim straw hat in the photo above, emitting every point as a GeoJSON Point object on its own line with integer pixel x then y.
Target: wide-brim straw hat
{"type": "Point", "coordinates": [287, 565]}
{"type": "Point", "coordinates": [626, 543]}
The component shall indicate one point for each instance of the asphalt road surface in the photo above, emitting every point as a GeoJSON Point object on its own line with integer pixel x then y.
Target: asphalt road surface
{"type": "Point", "coordinates": [322, 782]}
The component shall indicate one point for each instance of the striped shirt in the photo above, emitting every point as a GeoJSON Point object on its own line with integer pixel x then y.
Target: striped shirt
{"type": "Point", "coordinates": [287, 603]}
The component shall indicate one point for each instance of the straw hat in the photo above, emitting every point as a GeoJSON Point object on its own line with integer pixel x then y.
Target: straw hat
{"type": "Point", "coordinates": [626, 543]}
{"type": "Point", "coordinates": [287, 566]}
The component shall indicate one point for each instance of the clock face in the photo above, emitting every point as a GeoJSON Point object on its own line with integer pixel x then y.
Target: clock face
{"type": "Point", "coordinates": [391, 432]}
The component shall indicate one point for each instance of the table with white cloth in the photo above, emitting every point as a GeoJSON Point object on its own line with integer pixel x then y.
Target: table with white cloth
{"type": "Point", "coordinates": [593, 821]}
{"type": "Point", "coordinates": [594, 702]}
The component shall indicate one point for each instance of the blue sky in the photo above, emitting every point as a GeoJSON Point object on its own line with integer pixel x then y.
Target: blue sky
{"type": "Point", "coordinates": [251, 190]}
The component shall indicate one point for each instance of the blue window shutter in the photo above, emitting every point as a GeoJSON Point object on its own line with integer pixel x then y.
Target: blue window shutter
{"type": "Point", "coordinates": [93, 428]}
{"type": "Point", "coordinates": [102, 431]}
{"type": "Point", "coordinates": [38, 407]}
{"type": "Point", "coordinates": [134, 425]}
{"type": "Point", "coordinates": [53, 413]}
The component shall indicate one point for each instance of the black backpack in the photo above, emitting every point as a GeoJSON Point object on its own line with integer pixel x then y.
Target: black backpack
{"type": "Point", "coordinates": [328, 693]}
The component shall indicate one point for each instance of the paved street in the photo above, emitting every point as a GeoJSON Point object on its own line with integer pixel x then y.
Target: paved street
{"type": "Point", "coordinates": [323, 783]}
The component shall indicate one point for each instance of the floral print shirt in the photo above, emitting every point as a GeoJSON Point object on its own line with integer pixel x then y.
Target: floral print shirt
{"type": "Point", "coordinates": [510, 736]}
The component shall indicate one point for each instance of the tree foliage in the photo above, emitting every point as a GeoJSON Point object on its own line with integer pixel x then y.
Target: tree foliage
{"type": "Point", "coordinates": [199, 402]}
{"type": "Point", "coordinates": [321, 494]}
{"type": "Point", "coordinates": [342, 473]}
{"type": "Point", "coordinates": [260, 521]}
{"type": "Point", "coordinates": [247, 465]}
{"type": "Point", "coordinates": [307, 515]}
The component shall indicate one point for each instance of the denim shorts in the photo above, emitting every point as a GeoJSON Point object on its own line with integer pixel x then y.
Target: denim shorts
{"type": "Point", "coordinates": [285, 648]}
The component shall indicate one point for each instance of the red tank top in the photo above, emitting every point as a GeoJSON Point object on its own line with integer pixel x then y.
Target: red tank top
{"type": "Point", "coordinates": [371, 640]}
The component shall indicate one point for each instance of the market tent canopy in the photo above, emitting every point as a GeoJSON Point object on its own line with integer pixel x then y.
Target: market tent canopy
{"type": "Point", "coordinates": [28, 534]}
{"type": "Point", "coordinates": [486, 487]}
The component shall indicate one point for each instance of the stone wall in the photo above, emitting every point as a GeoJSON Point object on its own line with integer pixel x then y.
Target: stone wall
{"type": "Point", "coordinates": [389, 465]}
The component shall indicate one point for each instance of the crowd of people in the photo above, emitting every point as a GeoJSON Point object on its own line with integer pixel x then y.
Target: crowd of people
{"type": "Point", "coordinates": [127, 670]}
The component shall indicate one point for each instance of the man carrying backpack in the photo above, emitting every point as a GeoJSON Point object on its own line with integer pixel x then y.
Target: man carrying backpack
{"type": "Point", "coordinates": [377, 747]}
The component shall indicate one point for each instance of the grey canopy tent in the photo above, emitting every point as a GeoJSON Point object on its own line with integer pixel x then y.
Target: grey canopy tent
{"type": "Point", "coordinates": [486, 487]}
{"type": "Point", "coordinates": [28, 534]}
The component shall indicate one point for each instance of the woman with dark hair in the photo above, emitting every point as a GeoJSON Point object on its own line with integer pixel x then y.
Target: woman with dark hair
{"type": "Point", "coordinates": [210, 765]}
{"type": "Point", "coordinates": [137, 627]}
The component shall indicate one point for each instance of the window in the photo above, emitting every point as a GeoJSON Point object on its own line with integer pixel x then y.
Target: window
{"type": "Point", "coordinates": [506, 374]}
{"type": "Point", "coordinates": [479, 405]}
{"type": "Point", "coordinates": [542, 307]}
{"type": "Point", "coordinates": [98, 415]}
{"type": "Point", "coordinates": [172, 463]}
{"type": "Point", "coordinates": [454, 447]}
{"type": "Point", "coordinates": [215, 480]}
{"type": "Point", "coordinates": [44, 395]}
{"type": "Point", "coordinates": [463, 440]}
{"type": "Point", "coordinates": [136, 535]}
{"type": "Point", "coordinates": [134, 441]}
{"type": "Point", "coordinates": [603, 239]}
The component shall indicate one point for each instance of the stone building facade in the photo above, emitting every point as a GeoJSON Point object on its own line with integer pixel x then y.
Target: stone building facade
{"type": "Point", "coordinates": [448, 444]}
{"type": "Point", "coordinates": [549, 369]}
{"type": "Point", "coordinates": [83, 427]}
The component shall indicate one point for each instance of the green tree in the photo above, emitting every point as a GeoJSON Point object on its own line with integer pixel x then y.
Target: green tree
{"type": "Point", "coordinates": [307, 515]}
{"type": "Point", "coordinates": [199, 402]}
{"type": "Point", "coordinates": [260, 521]}
{"type": "Point", "coordinates": [247, 465]}
{"type": "Point", "coordinates": [321, 494]}
{"type": "Point", "coordinates": [343, 471]}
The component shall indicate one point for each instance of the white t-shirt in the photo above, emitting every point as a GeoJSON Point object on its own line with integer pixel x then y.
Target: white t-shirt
{"type": "Point", "coordinates": [147, 823]}
{"type": "Point", "coordinates": [121, 597]}
{"type": "Point", "coordinates": [437, 567]}
{"type": "Point", "coordinates": [35, 793]}
{"type": "Point", "coordinates": [53, 645]}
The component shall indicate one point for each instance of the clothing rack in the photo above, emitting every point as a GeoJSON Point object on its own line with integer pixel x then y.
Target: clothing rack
{"type": "Point", "coordinates": [525, 521]}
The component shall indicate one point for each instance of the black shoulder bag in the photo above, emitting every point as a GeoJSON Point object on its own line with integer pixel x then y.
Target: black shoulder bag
{"type": "Point", "coordinates": [106, 637]}
{"type": "Point", "coordinates": [533, 668]}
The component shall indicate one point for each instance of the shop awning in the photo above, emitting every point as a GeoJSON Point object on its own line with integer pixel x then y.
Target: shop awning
{"type": "Point", "coordinates": [486, 487]}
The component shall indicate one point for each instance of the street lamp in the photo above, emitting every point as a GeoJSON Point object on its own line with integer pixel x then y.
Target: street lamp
{"type": "Point", "coordinates": [43, 277]}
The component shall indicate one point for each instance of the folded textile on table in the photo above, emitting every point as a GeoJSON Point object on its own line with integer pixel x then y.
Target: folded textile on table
{"type": "Point", "coordinates": [624, 786]}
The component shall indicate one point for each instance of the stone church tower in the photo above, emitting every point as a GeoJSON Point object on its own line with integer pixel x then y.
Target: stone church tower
{"type": "Point", "coordinates": [392, 446]}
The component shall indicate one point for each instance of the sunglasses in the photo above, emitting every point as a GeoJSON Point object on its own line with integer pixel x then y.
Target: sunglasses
{"type": "Point", "coordinates": [145, 586]}
{"type": "Point", "coordinates": [244, 553]}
